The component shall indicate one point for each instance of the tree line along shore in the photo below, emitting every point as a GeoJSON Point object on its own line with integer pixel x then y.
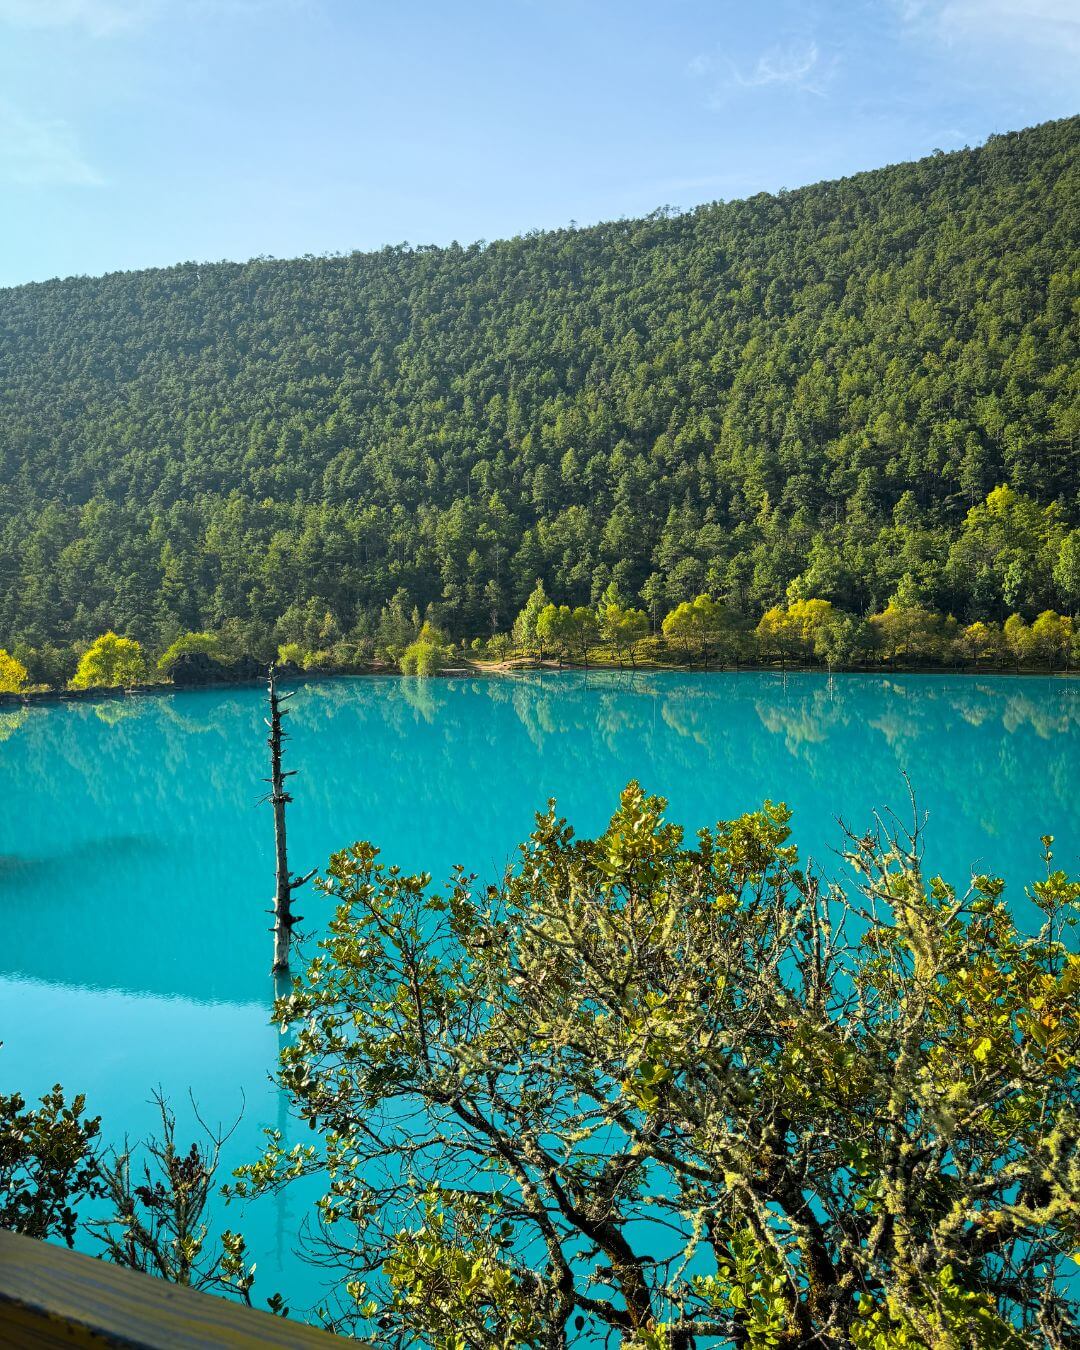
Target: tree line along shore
{"type": "Point", "coordinates": [699, 632]}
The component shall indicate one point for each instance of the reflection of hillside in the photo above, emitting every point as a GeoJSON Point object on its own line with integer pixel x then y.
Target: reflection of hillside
{"type": "Point", "coordinates": [137, 857]}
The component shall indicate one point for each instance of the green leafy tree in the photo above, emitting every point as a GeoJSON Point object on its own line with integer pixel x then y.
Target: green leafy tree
{"type": "Point", "coordinates": [621, 628]}
{"type": "Point", "coordinates": [566, 630]}
{"type": "Point", "coordinates": [50, 664]}
{"type": "Point", "coordinates": [1019, 640]}
{"type": "Point", "coordinates": [653, 597]}
{"type": "Point", "coordinates": [500, 646]}
{"type": "Point", "coordinates": [680, 1094]}
{"type": "Point", "coordinates": [292, 654]}
{"type": "Point", "coordinates": [158, 1219]}
{"type": "Point", "coordinates": [427, 655]}
{"type": "Point", "coordinates": [1067, 572]}
{"type": "Point", "coordinates": [809, 616]}
{"type": "Point", "coordinates": [983, 642]}
{"type": "Point", "coordinates": [154, 1219]}
{"type": "Point", "coordinates": [109, 662]}
{"type": "Point", "coordinates": [841, 639]}
{"type": "Point", "coordinates": [584, 630]}
{"type": "Point", "coordinates": [525, 625]}
{"type": "Point", "coordinates": [701, 622]}
{"type": "Point", "coordinates": [1006, 550]}
{"type": "Point", "coordinates": [554, 629]}
{"type": "Point", "coordinates": [48, 1164]}
{"type": "Point", "coordinates": [1052, 636]}
{"type": "Point", "coordinates": [397, 627]}
{"type": "Point", "coordinates": [792, 632]}
{"type": "Point", "coordinates": [776, 635]}
{"type": "Point", "coordinates": [912, 634]}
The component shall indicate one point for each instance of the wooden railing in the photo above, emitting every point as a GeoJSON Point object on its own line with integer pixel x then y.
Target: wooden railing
{"type": "Point", "coordinates": [52, 1297]}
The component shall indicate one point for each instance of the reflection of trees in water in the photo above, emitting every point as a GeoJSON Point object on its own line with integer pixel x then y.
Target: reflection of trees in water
{"type": "Point", "coordinates": [905, 714]}
{"type": "Point", "coordinates": [11, 719]}
{"type": "Point", "coordinates": [600, 707]}
{"type": "Point", "coordinates": [898, 725]}
{"type": "Point", "coordinates": [1046, 721]}
{"type": "Point", "coordinates": [525, 703]}
{"type": "Point", "coordinates": [590, 714]}
{"type": "Point", "coordinates": [99, 742]}
{"type": "Point", "coordinates": [187, 723]}
{"type": "Point", "coordinates": [687, 718]}
{"type": "Point", "coordinates": [467, 761]}
{"type": "Point", "coordinates": [802, 727]}
{"type": "Point", "coordinates": [398, 702]}
{"type": "Point", "coordinates": [872, 723]}
{"type": "Point", "coordinates": [113, 711]}
{"type": "Point", "coordinates": [417, 693]}
{"type": "Point", "coordinates": [617, 719]}
{"type": "Point", "coordinates": [967, 742]}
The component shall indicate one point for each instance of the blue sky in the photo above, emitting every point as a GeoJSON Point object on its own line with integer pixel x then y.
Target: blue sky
{"type": "Point", "coordinates": [139, 133]}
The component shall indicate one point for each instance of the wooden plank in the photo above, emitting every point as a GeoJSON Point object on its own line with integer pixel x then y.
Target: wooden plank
{"type": "Point", "coordinates": [53, 1297]}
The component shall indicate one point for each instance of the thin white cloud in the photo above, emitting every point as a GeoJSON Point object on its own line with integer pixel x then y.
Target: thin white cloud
{"type": "Point", "coordinates": [36, 152]}
{"type": "Point", "coordinates": [98, 17]}
{"type": "Point", "coordinates": [794, 66]}
{"type": "Point", "coordinates": [1042, 28]}
{"type": "Point", "coordinates": [780, 65]}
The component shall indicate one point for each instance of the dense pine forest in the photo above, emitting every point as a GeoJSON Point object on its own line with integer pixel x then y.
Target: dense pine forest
{"type": "Point", "coordinates": [818, 394]}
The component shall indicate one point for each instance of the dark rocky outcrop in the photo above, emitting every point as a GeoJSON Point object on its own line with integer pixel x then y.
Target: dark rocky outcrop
{"type": "Point", "coordinates": [194, 668]}
{"type": "Point", "coordinates": [246, 668]}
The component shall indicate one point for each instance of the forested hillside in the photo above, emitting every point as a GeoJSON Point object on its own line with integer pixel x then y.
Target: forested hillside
{"type": "Point", "coordinates": [819, 388]}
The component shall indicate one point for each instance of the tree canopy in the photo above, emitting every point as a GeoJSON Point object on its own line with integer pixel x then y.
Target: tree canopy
{"type": "Point", "coordinates": [858, 386]}
{"type": "Point", "coordinates": [681, 1093]}
{"type": "Point", "coordinates": [109, 662]}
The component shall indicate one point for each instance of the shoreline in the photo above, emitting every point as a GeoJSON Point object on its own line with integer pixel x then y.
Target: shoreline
{"type": "Point", "coordinates": [503, 670]}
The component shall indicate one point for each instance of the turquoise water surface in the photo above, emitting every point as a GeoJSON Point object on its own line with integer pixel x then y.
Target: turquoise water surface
{"type": "Point", "coordinates": [136, 867]}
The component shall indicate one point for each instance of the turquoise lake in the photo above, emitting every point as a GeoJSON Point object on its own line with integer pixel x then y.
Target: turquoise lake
{"type": "Point", "coordinates": [136, 867]}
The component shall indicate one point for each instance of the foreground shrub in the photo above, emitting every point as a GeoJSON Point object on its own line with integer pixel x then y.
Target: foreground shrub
{"type": "Point", "coordinates": [48, 1164]}
{"type": "Point", "coordinates": [678, 1095]}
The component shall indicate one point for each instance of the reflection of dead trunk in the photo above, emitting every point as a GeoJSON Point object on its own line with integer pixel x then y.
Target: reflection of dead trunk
{"type": "Point", "coordinates": [284, 919]}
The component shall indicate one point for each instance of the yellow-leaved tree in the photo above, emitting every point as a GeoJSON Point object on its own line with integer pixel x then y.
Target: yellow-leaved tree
{"type": "Point", "coordinates": [792, 632]}
{"type": "Point", "coordinates": [13, 674]}
{"type": "Point", "coordinates": [110, 662]}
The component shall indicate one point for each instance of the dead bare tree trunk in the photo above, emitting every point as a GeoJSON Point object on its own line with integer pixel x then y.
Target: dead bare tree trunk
{"type": "Point", "coordinates": [284, 919]}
